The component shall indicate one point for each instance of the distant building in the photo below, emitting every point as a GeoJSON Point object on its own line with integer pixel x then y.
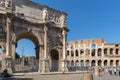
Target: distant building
{"type": "Point", "coordinates": [93, 52]}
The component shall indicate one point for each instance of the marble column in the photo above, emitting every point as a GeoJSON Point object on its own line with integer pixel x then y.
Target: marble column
{"type": "Point", "coordinates": [108, 51]}
{"type": "Point", "coordinates": [45, 42]}
{"type": "Point", "coordinates": [108, 63]}
{"type": "Point", "coordinates": [96, 52]}
{"type": "Point", "coordinates": [40, 58]}
{"type": "Point", "coordinates": [96, 63]}
{"type": "Point", "coordinates": [13, 56]}
{"type": "Point", "coordinates": [8, 58]}
{"type": "Point", "coordinates": [64, 68]}
{"type": "Point", "coordinates": [45, 55]}
{"type": "Point", "coordinates": [8, 24]}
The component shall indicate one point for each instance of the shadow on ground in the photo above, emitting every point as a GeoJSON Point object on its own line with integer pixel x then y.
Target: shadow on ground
{"type": "Point", "coordinates": [19, 79]}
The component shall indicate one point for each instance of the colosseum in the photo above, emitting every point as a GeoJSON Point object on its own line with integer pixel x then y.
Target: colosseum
{"type": "Point", "coordinates": [93, 52]}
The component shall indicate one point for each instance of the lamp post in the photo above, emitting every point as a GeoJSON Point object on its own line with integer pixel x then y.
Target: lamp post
{"type": "Point", "coordinates": [23, 56]}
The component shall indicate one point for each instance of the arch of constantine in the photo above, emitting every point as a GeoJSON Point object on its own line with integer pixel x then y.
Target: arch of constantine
{"type": "Point", "coordinates": [44, 26]}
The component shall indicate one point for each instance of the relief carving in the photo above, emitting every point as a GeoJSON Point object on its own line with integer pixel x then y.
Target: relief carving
{"type": "Point", "coordinates": [45, 15]}
{"type": "Point", "coordinates": [54, 38]}
{"type": "Point", "coordinates": [5, 3]}
{"type": "Point", "coordinates": [62, 20]}
{"type": "Point", "coordinates": [13, 38]}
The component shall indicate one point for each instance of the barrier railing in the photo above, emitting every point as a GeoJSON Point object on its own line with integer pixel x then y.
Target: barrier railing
{"type": "Point", "coordinates": [29, 66]}
{"type": "Point", "coordinates": [53, 66]}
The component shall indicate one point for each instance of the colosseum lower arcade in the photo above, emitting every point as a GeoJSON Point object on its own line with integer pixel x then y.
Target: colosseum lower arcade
{"type": "Point", "coordinates": [93, 52]}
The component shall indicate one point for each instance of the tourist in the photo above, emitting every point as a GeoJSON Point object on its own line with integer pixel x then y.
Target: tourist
{"type": "Point", "coordinates": [100, 71]}
{"type": "Point", "coordinates": [110, 70]}
{"type": "Point", "coordinates": [5, 74]}
{"type": "Point", "coordinates": [114, 71]}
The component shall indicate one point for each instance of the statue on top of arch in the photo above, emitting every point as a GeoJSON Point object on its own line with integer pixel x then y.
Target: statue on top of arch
{"type": "Point", "coordinates": [45, 14]}
{"type": "Point", "coordinates": [5, 3]}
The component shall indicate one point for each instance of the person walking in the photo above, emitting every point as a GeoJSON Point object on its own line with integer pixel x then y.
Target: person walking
{"type": "Point", "coordinates": [114, 71]}
{"type": "Point", "coordinates": [110, 70]}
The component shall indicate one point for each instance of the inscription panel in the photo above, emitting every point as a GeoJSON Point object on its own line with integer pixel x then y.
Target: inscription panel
{"type": "Point", "coordinates": [37, 13]}
{"type": "Point", "coordinates": [28, 10]}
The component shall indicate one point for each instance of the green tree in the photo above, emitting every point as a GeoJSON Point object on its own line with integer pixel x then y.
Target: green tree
{"type": "Point", "coordinates": [17, 56]}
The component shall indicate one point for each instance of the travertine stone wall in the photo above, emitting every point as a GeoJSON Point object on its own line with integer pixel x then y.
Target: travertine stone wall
{"type": "Point", "coordinates": [93, 52]}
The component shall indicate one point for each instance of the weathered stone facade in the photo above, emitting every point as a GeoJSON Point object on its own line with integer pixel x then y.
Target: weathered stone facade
{"type": "Point", "coordinates": [93, 52]}
{"type": "Point", "coordinates": [44, 26]}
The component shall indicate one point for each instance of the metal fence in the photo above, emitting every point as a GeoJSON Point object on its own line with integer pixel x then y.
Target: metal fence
{"type": "Point", "coordinates": [53, 66]}
{"type": "Point", "coordinates": [79, 68]}
{"type": "Point", "coordinates": [26, 66]}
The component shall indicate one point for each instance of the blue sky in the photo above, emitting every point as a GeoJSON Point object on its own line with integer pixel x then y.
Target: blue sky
{"type": "Point", "coordinates": [28, 45]}
{"type": "Point", "coordinates": [89, 18]}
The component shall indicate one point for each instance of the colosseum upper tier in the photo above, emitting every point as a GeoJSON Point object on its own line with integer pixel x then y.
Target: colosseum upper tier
{"type": "Point", "coordinates": [93, 52]}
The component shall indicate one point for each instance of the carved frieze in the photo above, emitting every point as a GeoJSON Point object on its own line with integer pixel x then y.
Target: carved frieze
{"type": "Point", "coordinates": [58, 19]}
{"type": "Point", "coordinates": [5, 3]}
{"type": "Point", "coordinates": [2, 30]}
{"type": "Point", "coordinates": [13, 38]}
{"type": "Point", "coordinates": [54, 38]}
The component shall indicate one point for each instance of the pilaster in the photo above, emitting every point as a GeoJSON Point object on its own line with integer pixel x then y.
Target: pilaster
{"type": "Point", "coordinates": [64, 67]}
{"type": "Point", "coordinates": [8, 25]}
{"type": "Point", "coordinates": [8, 58]}
{"type": "Point", "coordinates": [45, 56]}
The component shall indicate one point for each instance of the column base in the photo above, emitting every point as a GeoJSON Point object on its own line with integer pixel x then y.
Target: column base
{"type": "Point", "coordinates": [64, 66]}
{"type": "Point", "coordinates": [7, 64]}
{"type": "Point", "coordinates": [45, 67]}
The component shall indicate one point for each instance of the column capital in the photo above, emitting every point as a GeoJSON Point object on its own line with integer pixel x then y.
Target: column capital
{"type": "Point", "coordinates": [8, 20]}
{"type": "Point", "coordinates": [45, 28]}
{"type": "Point", "coordinates": [63, 32]}
{"type": "Point", "coordinates": [65, 29]}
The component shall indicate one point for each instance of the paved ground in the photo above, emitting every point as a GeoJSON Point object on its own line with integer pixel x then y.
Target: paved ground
{"type": "Point", "coordinates": [106, 77]}
{"type": "Point", "coordinates": [63, 77]}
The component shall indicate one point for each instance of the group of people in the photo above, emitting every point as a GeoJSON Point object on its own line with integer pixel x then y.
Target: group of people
{"type": "Point", "coordinates": [114, 71]}
{"type": "Point", "coordinates": [110, 70]}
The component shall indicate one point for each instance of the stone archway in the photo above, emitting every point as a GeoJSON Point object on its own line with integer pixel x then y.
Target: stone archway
{"type": "Point", "coordinates": [93, 63]}
{"type": "Point", "coordinates": [87, 63]}
{"type": "Point", "coordinates": [0, 50]}
{"type": "Point", "coordinates": [50, 31]}
{"type": "Point", "coordinates": [54, 61]}
{"type": "Point", "coordinates": [28, 62]}
{"type": "Point", "coordinates": [117, 63]}
{"type": "Point", "coordinates": [99, 63]}
{"type": "Point", "coordinates": [30, 36]}
{"type": "Point", "coordinates": [105, 63]}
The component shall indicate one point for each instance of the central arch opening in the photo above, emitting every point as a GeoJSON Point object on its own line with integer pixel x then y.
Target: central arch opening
{"type": "Point", "coordinates": [27, 53]}
{"type": "Point", "coordinates": [54, 60]}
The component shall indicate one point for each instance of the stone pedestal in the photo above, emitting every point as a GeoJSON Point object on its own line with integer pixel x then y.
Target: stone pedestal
{"type": "Point", "coordinates": [87, 76]}
{"type": "Point", "coordinates": [45, 66]}
{"type": "Point", "coordinates": [96, 71]}
{"type": "Point", "coordinates": [7, 64]}
{"type": "Point", "coordinates": [64, 66]}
